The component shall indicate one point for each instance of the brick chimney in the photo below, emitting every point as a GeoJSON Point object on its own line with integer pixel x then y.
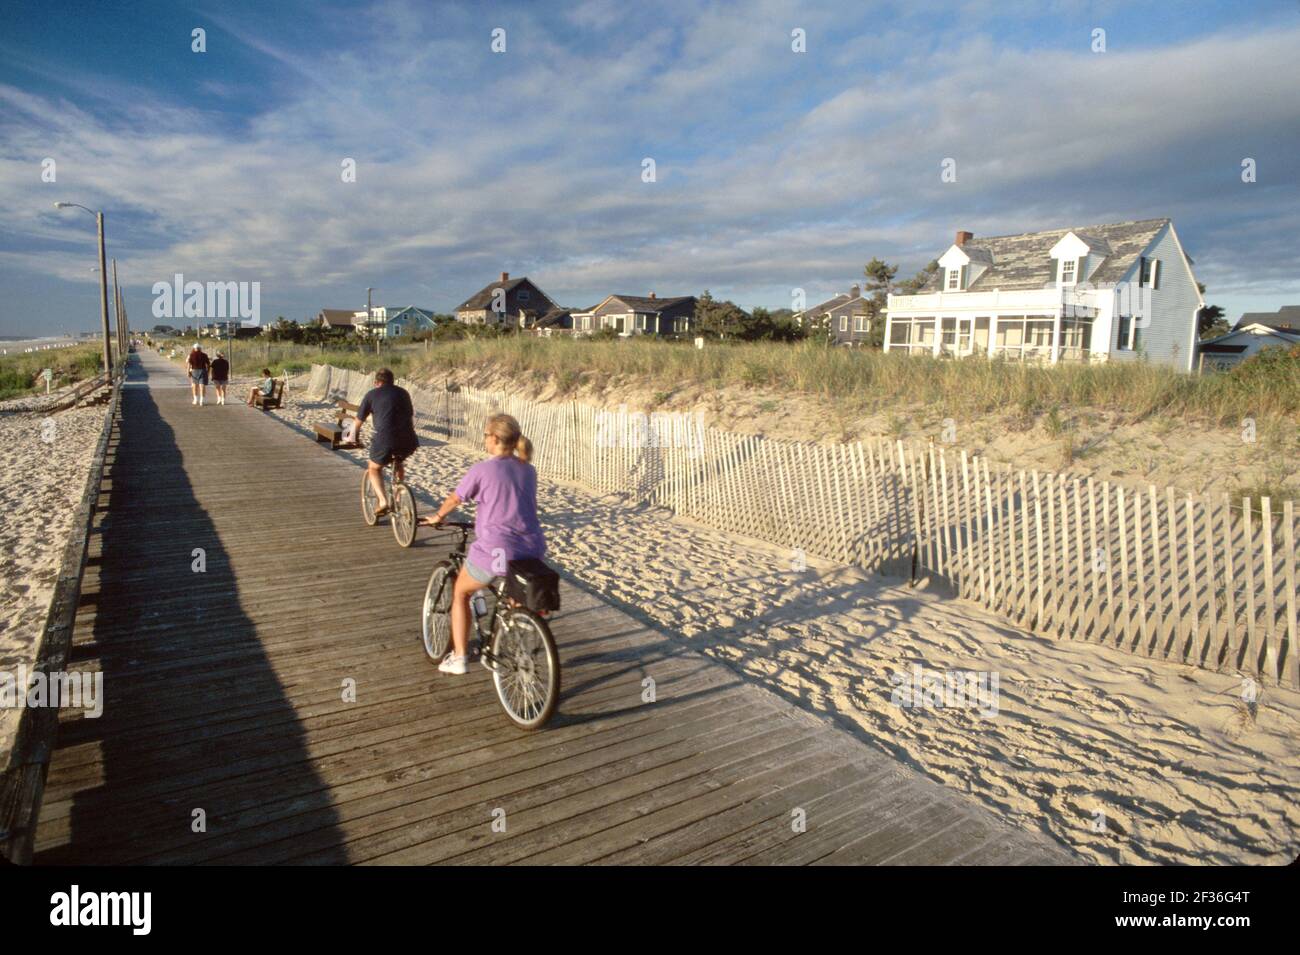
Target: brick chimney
{"type": "Point", "coordinates": [964, 237]}
{"type": "Point", "coordinates": [652, 294]}
{"type": "Point", "coordinates": [505, 276]}
{"type": "Point", "coordinates": [855, 291]}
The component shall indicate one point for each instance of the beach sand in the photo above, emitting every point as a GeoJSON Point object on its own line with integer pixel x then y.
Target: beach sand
{"type": "Point", "coordinates": [44, 460]}
{"type": "Point", "coordinates": [1120, 758]}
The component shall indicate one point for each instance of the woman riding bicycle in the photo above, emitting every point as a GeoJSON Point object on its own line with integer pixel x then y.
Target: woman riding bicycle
{"type": "Point", "coordinates": [505, 525]}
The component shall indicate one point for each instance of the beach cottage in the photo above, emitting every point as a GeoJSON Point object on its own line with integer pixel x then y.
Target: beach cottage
{"type": "Point", "coordinates": [1115, 292]}
{"type": "Point", "coordinates": [846, 318]}
{"type": "Point", "coordinates": [629, 315]}
{"type": "Point", "coordinates": [506, 302]}
{"type": "Point", "coordinates": [1253, 333]}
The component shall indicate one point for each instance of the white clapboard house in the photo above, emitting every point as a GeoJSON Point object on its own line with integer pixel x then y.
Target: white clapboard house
{"type": "Point", "coordinates": [1255, 332]}
{"type": "Point", "coordinates": [1114, 292]}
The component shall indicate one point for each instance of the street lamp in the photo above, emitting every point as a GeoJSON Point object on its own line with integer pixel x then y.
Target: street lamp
{"type": "Point", "coordinates": [370, 319]}
{"type": "Point", "coordinates": [103, 283]}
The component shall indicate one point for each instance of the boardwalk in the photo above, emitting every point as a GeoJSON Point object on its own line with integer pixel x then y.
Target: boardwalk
{"type": "Point", "coordinates": [226, 713]}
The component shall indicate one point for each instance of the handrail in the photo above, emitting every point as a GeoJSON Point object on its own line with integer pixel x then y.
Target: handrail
{"type": "Point", "coordinates": [22, 779]}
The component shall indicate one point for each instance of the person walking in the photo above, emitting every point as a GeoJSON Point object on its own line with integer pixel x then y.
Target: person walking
{"type": "Point", "coordinates": [198, 364]}
{"type": "Point", "coordinates": [220, 376]}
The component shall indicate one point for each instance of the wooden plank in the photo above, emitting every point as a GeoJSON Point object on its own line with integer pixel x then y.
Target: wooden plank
{"type": "Point", "coordinates": [1292, 624]}
{"type": "Point", "coordinates": [1251, 658]}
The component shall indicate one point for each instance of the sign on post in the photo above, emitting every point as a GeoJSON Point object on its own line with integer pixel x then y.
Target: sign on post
{"type": "Point", "coordinates": [48, 375]}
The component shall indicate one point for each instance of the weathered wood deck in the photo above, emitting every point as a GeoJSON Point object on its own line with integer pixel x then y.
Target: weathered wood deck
{"type": "Point", "coordinates": [224, 692]}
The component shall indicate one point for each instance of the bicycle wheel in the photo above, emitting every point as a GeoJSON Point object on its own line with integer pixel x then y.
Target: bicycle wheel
{"type": "Point", "coordinates": [525, 668]}
{"type": "Point", "coordinates": [369, 502]}
{"type": "Point", "coordinates": [403, 515]}
{"type": "Point", "coordinates": [435, 619]}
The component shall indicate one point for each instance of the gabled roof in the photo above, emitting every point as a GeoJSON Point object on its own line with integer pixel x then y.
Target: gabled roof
{"type": "Point", "coordinates": [554, 317]}
{"type": "Point", "coordinates": [644, 303]}
{"type": "Point", "coordinates": [337, 316]}
{"type": "Point", "coordinates": [1286, 319]}
{"type": "Point", "coordinates": [1023, 261]}
{"type": "Point", "coordinates": [823, 307]}
{"type": "Point", "coordinates": [482, 299]}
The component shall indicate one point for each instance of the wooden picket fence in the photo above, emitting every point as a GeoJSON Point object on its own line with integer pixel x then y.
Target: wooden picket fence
{"type": "Point", "coordinates": [1202, 580]}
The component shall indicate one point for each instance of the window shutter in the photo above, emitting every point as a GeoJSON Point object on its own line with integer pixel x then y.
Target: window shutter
{"type": "Point", "coordinates": [1142, 270]}
{"type": "Point", "coordinates": [1155, 273]}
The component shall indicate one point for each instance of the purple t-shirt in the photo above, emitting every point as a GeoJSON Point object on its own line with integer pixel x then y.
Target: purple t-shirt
{"type": "Point", "coordinates": [505, 490]}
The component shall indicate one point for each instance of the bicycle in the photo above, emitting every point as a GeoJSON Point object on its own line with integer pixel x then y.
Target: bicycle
{"type": "Point", "coordinates": [401, 506]}
{"type": "Point", "coordinates": [517, 648]}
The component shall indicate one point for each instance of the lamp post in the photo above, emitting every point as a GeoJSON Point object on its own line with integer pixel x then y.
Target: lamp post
{"type": "Point", "coordinates": [103, 283]}
{"type": "Point", "coordinates": [370, 319]}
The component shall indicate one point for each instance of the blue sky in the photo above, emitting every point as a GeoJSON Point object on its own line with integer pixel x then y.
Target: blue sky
{"type": "Point", "coordinates": [775, 170]}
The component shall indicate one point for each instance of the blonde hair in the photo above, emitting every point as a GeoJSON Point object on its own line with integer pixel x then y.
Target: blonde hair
{"type": "Point", "coordinates": [505, 428]}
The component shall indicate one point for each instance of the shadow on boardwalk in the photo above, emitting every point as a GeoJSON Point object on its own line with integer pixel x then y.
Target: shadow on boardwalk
{"type": "Point", "coordinates": [194, 713]}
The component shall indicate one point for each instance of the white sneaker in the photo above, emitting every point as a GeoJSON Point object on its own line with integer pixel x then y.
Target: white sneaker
{"type": "Point", "coordinates": [193, 400]}
{"type": "Point", "coordinates": [200, 402]}
{"type": "Point", "coordinates": [457, 666]}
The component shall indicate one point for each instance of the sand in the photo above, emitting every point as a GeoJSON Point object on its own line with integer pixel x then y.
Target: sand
{"type": "Point", "coordinates": [44, 460]}
{"type": "Point", "coordinates": [1120, 758]}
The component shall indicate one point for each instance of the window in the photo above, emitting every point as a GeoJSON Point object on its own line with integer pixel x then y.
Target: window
{"type": "Point", "coordinates": [844, 323]}
{"type": "Point", "coordinates": [523, 295]}
{"type": "Point", "coordinates": [954, 280]}
{"type": "Point", "coordinates": [1123, 341]}
{"type": "Point", "coordinates": [1068, 267]}
{"type": "Point", "coordinates": [1024, 337]}
{"type": "Point", "coordinates": [1149, 273]}
{"type": "Point", "coordinates": [861, 324]}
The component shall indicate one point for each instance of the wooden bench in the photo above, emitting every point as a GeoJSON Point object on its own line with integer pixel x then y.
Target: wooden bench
{"type": "Point", "coordinates": [273, 400]}
{"type": "Point", "coordinates": [332, 431]}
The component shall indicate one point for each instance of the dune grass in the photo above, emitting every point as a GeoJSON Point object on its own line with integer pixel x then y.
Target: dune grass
{"type": "Point", "coordinates": [20, 373]}
{"type": "Point", "coordinates": [1268, 390]}
{"type": "Point", "coordinates": [1265, 390]}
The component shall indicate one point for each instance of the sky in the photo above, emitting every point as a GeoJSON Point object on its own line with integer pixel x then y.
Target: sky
{"type": "Point", "coordinates": [774, 170]}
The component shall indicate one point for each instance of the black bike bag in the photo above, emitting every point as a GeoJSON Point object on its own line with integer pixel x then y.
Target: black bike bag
{"type": "Point", "coordinates": [531, 582]}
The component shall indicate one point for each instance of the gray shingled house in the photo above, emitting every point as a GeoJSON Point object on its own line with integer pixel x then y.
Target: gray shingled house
{"type": "Point", "coordinates": [846, 317]}
{"type": "Point", "coordinates": [631, 315]}
{"type": "Point", "coordinates": [517, 303]}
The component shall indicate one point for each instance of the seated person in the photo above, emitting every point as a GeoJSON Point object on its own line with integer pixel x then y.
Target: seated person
{"type": "Point", "coordinates": [265, 388]}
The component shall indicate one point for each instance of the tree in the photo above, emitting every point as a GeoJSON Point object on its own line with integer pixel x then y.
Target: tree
{"type": "Point", "coordinates": [880, 283]}
{"type": "Point", "coordinates": [919, 280]}
{"type": "Point", "coordinates": [778, 326]}
{"type": "Point", "coordinates": [720, 319]}
{"type": "Point", "coordinates": [1209, 319]}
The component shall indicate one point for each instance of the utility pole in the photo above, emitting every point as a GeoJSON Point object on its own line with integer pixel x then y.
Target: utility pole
{"type": "Point", "coordinates": [118, 317]}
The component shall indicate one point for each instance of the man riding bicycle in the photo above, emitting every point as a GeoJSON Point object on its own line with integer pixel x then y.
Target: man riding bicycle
{"type": "Point", "coordinates": [394, 439]}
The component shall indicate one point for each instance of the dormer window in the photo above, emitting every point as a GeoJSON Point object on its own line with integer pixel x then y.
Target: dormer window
{"type": "Point", "coordinates": [954, 280]}
{"type": "Point", "coordinates": [1068, 270]}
